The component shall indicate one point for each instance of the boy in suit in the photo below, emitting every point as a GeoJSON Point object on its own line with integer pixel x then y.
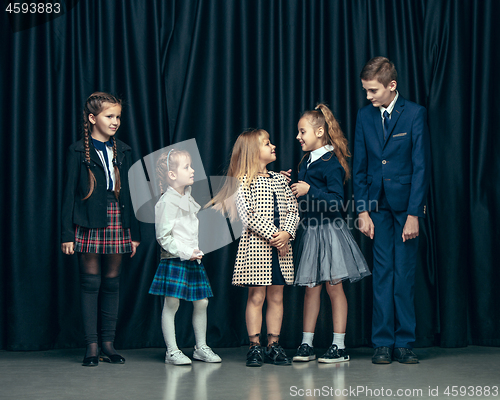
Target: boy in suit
{"type": "Point", "coordinates": [391, 169]}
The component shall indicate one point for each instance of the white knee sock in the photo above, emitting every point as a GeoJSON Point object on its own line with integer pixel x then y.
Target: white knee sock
{"type": "Point", "coordinates": [338, 339]}
{"type": "Point", "coordinates": [307, 337]}
{"type": "Point", "coordinates": [200, 322]}
{"type": "Point", "coordinates": [170, 307]}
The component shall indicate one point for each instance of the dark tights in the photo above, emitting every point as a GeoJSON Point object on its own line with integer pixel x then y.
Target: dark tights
{"type": "Point", "coordinates": [99, 272]}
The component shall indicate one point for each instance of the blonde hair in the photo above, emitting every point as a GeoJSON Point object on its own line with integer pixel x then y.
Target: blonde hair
{"type": "Point", "coordinates": [168, 161]}
{"type": "Point", "coordinates": [322, 117]}
{"type": "Point", "coordinates": [244, 163]}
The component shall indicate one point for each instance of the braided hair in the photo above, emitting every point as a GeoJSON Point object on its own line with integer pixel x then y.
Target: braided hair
{"type": "Point", "coordinates": [323, 117]}
{"type": "Point", "coordinates": [168, 161]}
{"type": "Point", "coordinates": [95, 104]}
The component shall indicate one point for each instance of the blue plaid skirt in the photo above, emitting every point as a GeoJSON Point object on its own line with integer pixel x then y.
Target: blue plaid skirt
{"type": "Point", "coordinates": [185, 280]}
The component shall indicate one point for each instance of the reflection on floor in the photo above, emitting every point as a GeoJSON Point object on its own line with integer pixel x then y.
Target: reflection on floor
{"type": "Point", "coordinates": [471, 372]}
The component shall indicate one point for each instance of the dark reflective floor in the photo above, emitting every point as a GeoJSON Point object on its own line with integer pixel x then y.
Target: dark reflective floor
{"type": "Point", "coordinates": [57, 374]}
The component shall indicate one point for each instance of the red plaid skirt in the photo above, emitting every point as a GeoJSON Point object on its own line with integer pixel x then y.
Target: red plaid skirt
{"type": "Point", "coordinates": [110, 240]}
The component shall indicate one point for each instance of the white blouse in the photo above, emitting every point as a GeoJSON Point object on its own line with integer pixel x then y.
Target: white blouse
{"type": "Point", "coordinates": [176, 224]}
{"type": "Point", "coordinates": [109, 167]}
{"type": "Point", "coordinates": [318, 153]}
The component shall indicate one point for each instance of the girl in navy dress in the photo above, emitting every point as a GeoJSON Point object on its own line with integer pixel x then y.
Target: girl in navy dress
{"type": "Point", "coordinates": [326, 253]}
{"type": "Point", "coordinates": [98, 222]}
{"type": "Point", "coordinates": [181, 274]}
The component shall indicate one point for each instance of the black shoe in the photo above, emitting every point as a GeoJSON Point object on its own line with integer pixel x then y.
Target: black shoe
{"type": "Point", "coordinates": [90, 361]}
{"type": "Point", "coordinates": [382, 355]}
{"type": "Point", "coordinates": [113, 359]}
{"type": "Point", "coordinates": [405, 356]}
{"type": "Point", "coordinates": [304, 353]}
{"type": "Point", "coordinates": [255, 357]}
{"type": "Point", "coordinates": [334, 355]}
{"type": "Point", "coordinates": [275, 354]}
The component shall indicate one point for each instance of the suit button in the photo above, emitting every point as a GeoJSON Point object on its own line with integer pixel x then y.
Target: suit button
{"type": "Point", "coordinates": [384, 162]}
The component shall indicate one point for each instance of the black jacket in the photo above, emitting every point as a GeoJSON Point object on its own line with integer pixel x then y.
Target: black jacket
{"type": "Point", "coordinates": [91, 213]}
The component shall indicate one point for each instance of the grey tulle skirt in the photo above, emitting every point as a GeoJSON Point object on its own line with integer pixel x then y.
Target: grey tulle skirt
{"type": "Point", "coordinates": [327, 253]}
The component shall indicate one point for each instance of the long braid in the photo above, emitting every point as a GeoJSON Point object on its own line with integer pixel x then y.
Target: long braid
{"type": "Point", "coordinates": [117, 172]}
{"type": "Point", "coordinates": [162, 171]}
{"type": "Point", "coordinates": [92, 179]}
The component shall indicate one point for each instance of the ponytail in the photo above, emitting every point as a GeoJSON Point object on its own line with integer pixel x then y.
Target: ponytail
{"type": "Point", "coordinates": [322, 116]}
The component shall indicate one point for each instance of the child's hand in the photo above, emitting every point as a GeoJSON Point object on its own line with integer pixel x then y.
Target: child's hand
{"type": "Point", "coordinates": [287, 175]}
{"type": "Point", "coordinates": [283, 251]}
{"type": "Point", "coordinates": [280, 239]}
{"type": "Point", "coordinates": [300, 188]}
{"type": "Point", "coordinates": [366, 224]}
{"type": "Point", "coordinates": [68, 248]}
{"type": "Point", "coordinates": [135, 245]}
{"type": "Point", "coordinates": [197, 255]}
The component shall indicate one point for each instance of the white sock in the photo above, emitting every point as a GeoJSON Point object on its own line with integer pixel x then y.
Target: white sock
{"type": "Point", "coordinates": [200, 322]}
{"type": "Point", "coordinates": [338, 339]}
{"type": "Point", "coordinates": [170, 307]}
{"type": "Point", "coordinates": [307, 337]}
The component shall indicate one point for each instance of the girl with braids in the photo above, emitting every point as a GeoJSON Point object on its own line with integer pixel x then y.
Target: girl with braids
{"type": "Point", "coordinates": [98, 221]}
{"type": "Point", "coordinates": [264, 263]}
{"type": "Point", "coordinates": [181, 274]}
{"type": "Point", "coordinates": [325, 250]}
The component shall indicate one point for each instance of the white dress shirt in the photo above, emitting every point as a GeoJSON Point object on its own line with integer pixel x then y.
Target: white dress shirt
{"type": "Point", "coordinates": [389, 109]}
{"type": "Point", "coordinates": [318, 153]}
{"type": "Point", "coordinates": [176, 224]}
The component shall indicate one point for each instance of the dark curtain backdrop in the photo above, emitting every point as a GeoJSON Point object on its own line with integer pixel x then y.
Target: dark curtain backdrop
{"type": "Point", "coordinates": [208, 69]}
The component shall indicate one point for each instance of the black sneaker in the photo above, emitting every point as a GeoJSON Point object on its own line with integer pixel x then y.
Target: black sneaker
{"type": "Point", "coordinates": [334, 355]}
{"type": "Point", "coordinates": [255, 357]}
{"type": "Point", "coordinates": [404, 356]}
{"type": "Point", "coordinates": [304, 353]}
{"type": "Point", "coordinates": [275, 354]}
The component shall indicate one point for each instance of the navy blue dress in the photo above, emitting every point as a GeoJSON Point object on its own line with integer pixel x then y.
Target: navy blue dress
{"type": "Point", "coordinates": [325, 250]}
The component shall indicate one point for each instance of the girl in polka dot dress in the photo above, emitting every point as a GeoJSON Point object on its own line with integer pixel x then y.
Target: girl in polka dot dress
{"type": "Point", "coordinates": [268, 210]}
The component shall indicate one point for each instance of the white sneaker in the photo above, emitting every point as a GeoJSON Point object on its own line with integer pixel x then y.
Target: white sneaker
{"type": "Point", "coordinates": [177, 357]}
{"type": "Point", "coordinates": [206, 354]}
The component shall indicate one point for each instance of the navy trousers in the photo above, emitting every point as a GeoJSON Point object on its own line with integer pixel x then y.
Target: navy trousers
{"type": "Point", "coordinates": [394, 263]}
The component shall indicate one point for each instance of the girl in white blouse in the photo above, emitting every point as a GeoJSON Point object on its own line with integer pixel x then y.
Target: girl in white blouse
{"type": "Point", "coordinates": [181, 274]}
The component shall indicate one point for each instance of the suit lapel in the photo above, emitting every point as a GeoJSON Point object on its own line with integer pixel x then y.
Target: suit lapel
{"type": "Point", "coordinates": [95, 157]}
{"type": "Point", "coordinates": [120, 153]}
{"type": "Point", "coordinates": [396, 113]}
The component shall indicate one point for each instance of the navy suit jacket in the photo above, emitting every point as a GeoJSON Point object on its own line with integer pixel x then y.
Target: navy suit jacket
{"type": "Point", "coordinates": [323, 202]}
{"type": "Point", "coordinates": [400, 164]}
